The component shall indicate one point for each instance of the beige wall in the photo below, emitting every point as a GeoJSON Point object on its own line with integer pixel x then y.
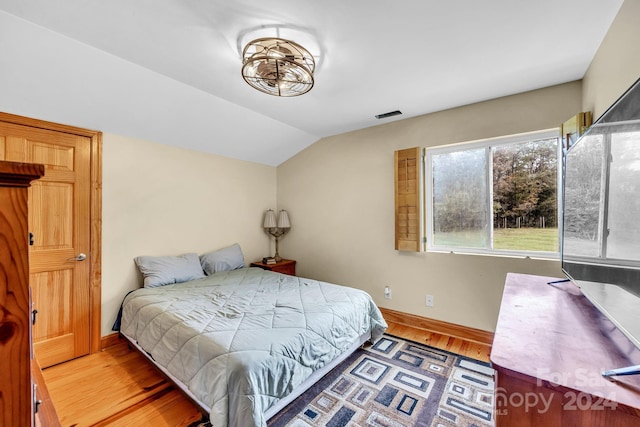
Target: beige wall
{"type": "Point", "coordinates": [616, 65]}
{"type": "Point", "coordinates": [162, 200]}
{"type": "Point", "coordinates": [339, 193]}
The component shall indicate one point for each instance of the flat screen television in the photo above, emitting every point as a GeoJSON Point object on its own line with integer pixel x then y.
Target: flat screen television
{"type": "Point", "coordinates": [601, 216]}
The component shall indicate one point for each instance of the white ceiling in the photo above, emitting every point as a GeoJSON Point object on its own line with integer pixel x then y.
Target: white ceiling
{"type": "Point", "coordinates": [169, 70]}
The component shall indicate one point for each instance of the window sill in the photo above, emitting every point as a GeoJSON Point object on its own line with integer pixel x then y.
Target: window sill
{"type": "Point", "coordinates": [544, 256]}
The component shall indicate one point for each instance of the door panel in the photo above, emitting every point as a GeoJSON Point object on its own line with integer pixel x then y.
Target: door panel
{"type": "Point", "coordinates": [59, 218]}
{"type": "Point", "coordinates": [56, 198]}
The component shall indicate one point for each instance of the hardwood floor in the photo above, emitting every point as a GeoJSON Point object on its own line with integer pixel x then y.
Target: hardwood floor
{"type": "Point", "coordinates": [472, 349]}
{"type": "Point", "coordinates": [114, 387]}
{"type": "Point", "coordinates": [118, 387]}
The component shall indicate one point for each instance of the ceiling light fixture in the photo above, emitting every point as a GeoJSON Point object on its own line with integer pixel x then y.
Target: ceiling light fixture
{"type": "Point", "coordinates": [278, 66]}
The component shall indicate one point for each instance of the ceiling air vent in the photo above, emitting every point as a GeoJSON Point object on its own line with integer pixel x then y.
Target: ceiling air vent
{"type": "Point", "coordinates": [389, 114]}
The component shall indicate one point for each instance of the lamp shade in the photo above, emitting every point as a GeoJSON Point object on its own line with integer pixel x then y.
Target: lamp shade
{"type": "Point", "coordinates": [283, 219]}
{"type": "Point", "coordinates": [269, 219]}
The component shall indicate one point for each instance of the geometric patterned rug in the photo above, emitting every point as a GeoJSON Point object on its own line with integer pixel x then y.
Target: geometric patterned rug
{"type": "Point", "coordinates": [397, 383]}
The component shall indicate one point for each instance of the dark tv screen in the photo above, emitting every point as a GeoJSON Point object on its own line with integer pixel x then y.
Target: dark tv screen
{"type": "Point", "coordinates": [601, 213]}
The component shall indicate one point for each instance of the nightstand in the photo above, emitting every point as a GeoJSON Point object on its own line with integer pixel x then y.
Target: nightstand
{"type": "Point", "coordinates": [286, 266]}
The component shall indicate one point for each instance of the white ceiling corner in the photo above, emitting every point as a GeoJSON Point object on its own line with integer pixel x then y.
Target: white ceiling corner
{"type": "Point", "coordinates": [169, 70]}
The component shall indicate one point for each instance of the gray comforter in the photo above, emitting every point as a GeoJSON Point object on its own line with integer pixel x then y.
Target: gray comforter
{"type": "Point", "coordinates": [241, 340]}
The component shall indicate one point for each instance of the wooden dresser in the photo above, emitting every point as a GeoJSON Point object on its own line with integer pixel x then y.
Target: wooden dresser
{"type": "Point", "coordinates": [550, 347]}
{"type": "Point", "coordinates": [17, 392]}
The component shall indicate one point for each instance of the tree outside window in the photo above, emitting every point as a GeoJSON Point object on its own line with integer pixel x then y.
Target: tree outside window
{"type": "Point", "coordinates": [495, 195]}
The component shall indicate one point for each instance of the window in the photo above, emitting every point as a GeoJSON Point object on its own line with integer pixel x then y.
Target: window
{"type": "Point", "coordinates": [495, 196]}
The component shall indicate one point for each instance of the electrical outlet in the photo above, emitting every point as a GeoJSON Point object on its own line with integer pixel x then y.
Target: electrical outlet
{"type": "Point", "coordinates": [429, 301]}
{"type": "Point", "coordinates": [387, 292]}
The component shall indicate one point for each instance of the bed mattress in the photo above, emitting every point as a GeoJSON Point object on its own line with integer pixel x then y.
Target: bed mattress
{"type": "Point", "coordinates": [241, 340]}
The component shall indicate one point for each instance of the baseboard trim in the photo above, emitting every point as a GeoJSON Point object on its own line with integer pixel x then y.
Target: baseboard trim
{"type": "Point", "coordinates": [110, 340]}
{"type": "Point", "coordinates": [439, 326]}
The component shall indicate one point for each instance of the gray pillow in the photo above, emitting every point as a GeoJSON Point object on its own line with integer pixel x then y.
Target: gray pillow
{"type": "Point", "coordinates": [225, 259]}
{"type": "Point", "coordinates": [165, 270]}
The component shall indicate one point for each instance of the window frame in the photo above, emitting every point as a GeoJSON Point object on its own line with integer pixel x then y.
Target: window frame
{"type": "Point", "coordinates": [488, 144]}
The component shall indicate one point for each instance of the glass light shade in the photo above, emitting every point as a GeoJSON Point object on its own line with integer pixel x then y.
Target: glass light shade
{"type": "Point", "coordinates": [269, 219]}
{"type": "Point", "coordinates": [278, 67]}
{"type": "Point", "coordinates": [283, 219]}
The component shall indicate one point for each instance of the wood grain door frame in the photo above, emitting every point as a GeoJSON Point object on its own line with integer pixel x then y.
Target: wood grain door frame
{"type": "Point", "coordinates": [95, 285]}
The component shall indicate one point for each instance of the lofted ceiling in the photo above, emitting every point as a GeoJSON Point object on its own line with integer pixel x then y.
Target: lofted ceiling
{"type": "Point", "coordinates": [169, 70]}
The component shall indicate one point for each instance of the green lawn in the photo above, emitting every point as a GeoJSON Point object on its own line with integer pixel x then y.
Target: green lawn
{"type": "Point", "coordinates": [528, 239]}
{"type": "Point", "coordinates": [523, 239]}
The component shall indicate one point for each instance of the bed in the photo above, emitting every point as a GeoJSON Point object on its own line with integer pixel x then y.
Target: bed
{"type": "Point", "coordinates": [245, 342]}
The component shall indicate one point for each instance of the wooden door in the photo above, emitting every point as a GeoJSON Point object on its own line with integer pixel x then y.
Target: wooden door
{"type": "Point", "coordinates": [59, 218]}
